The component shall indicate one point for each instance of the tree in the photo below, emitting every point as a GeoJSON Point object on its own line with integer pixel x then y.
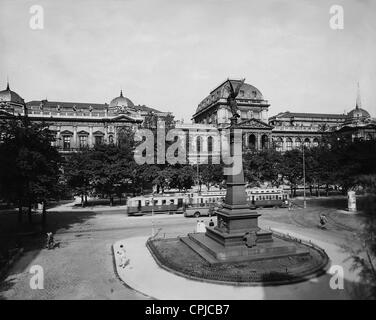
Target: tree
{"type": "Point", "coordinates": [29, 164]}
{"type": "Point", "coordinates": [78, 174]}
{"type": "Point", "coordinates": [291, 168]}
{"type": "Point", "coordinates": [212, 174]}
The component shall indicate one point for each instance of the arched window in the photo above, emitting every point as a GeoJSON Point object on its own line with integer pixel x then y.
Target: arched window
{"type": "Point", "coordinates": [298, 142]}
{"type": "Point", "coordinates": [368, 136]}
{"type": "Point", "coordinates": [307, 142]}
{"type": "Point", "coordinates": [288, 144]}
{"type": "Point", "coordinates": [315, 142]}
{"type": "Point", "coordinates": [210, 144]}
{"type": "Point", "coordinates": [199, 148]}
{"type": "Point", "coordinates": [252, 141]}
{"type": "Point", "coordinates": [279, 144]}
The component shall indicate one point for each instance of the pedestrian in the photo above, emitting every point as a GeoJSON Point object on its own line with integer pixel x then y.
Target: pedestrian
{"type": "Point", "coordinates": [198, 226]}
{"type": "Point", "coordinates": [323, 220]}
{"type": "Point", "coordinates": [202, 227]}
{"type": "Point", "coordinates": [123, 258]}
{"type": "Point", "coordinates": [211, 223]}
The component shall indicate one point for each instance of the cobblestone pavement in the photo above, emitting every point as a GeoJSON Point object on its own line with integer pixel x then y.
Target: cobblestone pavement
{"type": "Point", "coordinates": [82, 267]}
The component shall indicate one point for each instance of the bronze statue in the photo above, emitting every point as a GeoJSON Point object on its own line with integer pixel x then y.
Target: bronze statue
{"type": "Point", "coordinates": [231, 99]}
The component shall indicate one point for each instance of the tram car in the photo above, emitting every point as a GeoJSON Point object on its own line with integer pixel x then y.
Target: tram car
{"type": "Point", "coordinates": [142, 205]}
{"type": "Point", "coordinates": [195, 204]}
{"type": "Point", "coordinates": [263, 198]}
{"type": "Point", "coordinates": [191, 204]}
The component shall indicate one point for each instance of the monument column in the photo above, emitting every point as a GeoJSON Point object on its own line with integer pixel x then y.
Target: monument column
{"type": "Point", "coordinates": [258, 141]}
{"type": "Point", "coordinates": [90, 136]}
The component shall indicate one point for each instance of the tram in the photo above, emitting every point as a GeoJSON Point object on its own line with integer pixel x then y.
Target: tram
{"type": "Point", "coordinates": [271, 197]}
{"type": "Point", "coordinates": [193, 204]}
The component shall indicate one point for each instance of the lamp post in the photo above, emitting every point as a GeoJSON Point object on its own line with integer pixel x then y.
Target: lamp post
{"type": "Point", "coordinates": [152, 215]}
{"type": "Point", "coordinates": [304, 182]}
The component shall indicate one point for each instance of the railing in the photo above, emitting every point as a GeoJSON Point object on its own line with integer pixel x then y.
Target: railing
{"type": "Point", "coordinates": [270, 278]}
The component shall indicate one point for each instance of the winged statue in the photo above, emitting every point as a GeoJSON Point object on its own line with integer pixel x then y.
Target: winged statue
{"type": "Point", "coordinates": [231, 99]}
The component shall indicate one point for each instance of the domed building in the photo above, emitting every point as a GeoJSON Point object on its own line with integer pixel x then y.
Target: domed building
{"type": "Point", "coordinates": [358, 124]}
{"type": "Point", "coordinates": [11, 102]}
{"type": "Point", "coordinates": [78, 124]}
{"type": "Point", "coordinates": [121, 104]}
{"type": "Point", "coordinates": [253, 111]}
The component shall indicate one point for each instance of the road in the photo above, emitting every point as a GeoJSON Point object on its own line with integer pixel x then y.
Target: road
{"type": "Point", "coordinates": [82, 266]}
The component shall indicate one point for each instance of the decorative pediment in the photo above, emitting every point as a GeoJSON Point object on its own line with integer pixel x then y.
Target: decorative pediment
{"type": "Point", "coordinates": [125, 118]}
{"type": "Point", "coordinates": [254, 124]}
{"type": "Point", "coordinates": [66, 133]}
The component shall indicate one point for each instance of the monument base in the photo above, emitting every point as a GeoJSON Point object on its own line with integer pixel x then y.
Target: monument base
{"type": "Point", "coordinates": [213, 252]}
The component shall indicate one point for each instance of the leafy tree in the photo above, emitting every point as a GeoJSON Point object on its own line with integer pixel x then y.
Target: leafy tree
{"type": "Point", "coordinates": [291, 168]}
{"type": "Point", "coordinates": [29, 164]}
{"type": "Point", "coordinates": [212, 174]}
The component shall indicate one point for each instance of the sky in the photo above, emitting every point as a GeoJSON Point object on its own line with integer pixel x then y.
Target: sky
{"type": "Point", "coordinates": [169, 54]}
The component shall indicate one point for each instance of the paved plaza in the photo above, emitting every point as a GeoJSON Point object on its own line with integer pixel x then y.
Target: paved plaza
{"type": "Point", "coordinates": [83, 267]}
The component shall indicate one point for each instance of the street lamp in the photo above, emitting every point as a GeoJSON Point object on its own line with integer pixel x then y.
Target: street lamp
{"type": "Point", "coordinates": [304, 183]}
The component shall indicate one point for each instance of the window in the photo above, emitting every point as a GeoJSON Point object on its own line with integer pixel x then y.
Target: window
{"type": "Point", "coordinates": [98, 140]}
{"type": "Point", "coordinates": [288, 144]}
{"type": "Point", "coordinates": [66, 142]}
{"type": "Point", "coordinates": [82, 141]}
{"type": "Point", "coordinates": [111, 139]}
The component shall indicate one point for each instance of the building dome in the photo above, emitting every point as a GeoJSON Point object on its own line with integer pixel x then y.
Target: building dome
{"type": "Point", "coordinates": [10, 96]}
{"type": "Point", "coordinates": [121, 103]}
{"type": "Point", "coordinates": [358, 113]}
{"type": "Point", "coordinates": [246, 92]}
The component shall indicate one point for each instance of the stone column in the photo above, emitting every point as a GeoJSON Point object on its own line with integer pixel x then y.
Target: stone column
{"type": "Point", "coordinates": [284, 144]}
{"type": "Point", "coordinates": [258, 143]}
{"type": "Point", "coordinates": [74, 137]}
{"type": "Point", "coordinates": [58, 137]}
{"type": "Point", "coordinates": [90, 136]}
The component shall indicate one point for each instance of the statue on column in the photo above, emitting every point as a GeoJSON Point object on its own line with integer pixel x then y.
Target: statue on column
{"type": "Point", "coordinates": [231, 100]}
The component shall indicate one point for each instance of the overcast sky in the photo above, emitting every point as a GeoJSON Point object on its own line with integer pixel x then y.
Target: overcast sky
{"type": "Point", "coordinates": [169, 54]}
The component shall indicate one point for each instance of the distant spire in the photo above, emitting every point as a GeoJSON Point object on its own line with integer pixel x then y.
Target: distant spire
{"type": "Point", "coordinates": [358, 100]}
{"type": "Point", "coordinates": [8, 83]}
{"type": "Point", "coordinates": [121, 93]}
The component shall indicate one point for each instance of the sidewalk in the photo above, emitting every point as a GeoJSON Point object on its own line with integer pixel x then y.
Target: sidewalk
{"type": "Point", "coordinates": [145, 276]}
{"type": "Point", "coordinates": [75, 206]}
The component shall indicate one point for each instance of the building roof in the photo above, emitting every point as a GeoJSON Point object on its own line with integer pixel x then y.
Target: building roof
{"type": "Point", "coordinates": [246, 92]}
{"type": "Point", "coordinates": [8, 95]}
{"type": "Point", "coordinates": [288, 114]}
{"type": "Point", "coordinates": [84, 106]}
{"type": "Point", "coordinates": [121, 102]}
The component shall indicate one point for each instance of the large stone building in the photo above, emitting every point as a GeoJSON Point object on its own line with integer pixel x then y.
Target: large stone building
{"type": "Point", "coordinates": [78, 124]}
{"type": "Point", "coordinates": [284, 131]}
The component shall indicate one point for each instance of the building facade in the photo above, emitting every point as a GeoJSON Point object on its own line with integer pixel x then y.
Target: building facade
{"type": "Point", "coordinates": [78, 125]}
{"type": "Point", "coordinates": [284, 131]}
